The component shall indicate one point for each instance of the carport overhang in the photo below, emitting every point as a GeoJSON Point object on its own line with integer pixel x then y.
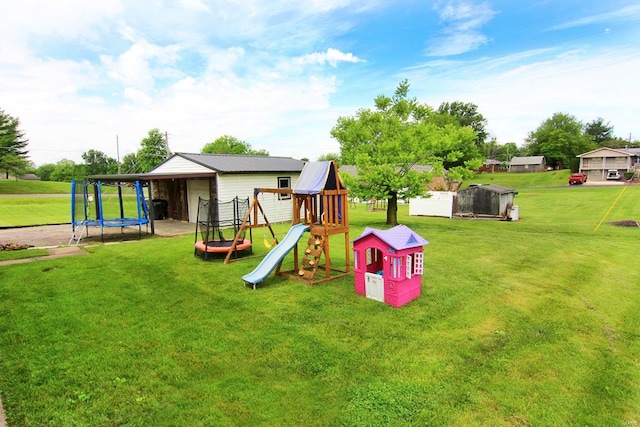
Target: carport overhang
{"type": "Point", "coordinates": [147, 179]}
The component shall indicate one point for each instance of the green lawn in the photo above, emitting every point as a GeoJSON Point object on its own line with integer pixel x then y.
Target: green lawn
{"type": "Point", "coordinates": [21, 211]}
{"type": "Point", "coordinates": [12, 186]}
{"type": "Point", "coordinates": [522, 180]}
{"type": "Point", "coordinates": [534, 322]}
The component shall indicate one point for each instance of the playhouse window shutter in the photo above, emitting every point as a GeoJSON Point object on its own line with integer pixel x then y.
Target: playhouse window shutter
{"type": "Point", "coordinates": [409, 267]}
{"type": "Point", "coordinates": [418, 263]}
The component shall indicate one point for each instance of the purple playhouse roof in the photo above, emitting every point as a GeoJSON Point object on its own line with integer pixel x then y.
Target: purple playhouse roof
{"type": "Point", "coordinates": [399, 237]}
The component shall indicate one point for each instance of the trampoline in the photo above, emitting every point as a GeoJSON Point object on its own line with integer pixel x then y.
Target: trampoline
{"type": "Point", "coordinates": [219, 227]}
{"type": "Point", "coordinates": [222, 246]}
{"type": "Point", "coordinates": [117, 210]}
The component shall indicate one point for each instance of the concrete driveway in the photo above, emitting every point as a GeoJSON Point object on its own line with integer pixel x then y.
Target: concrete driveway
{"type": "Point", "coordinates": [46, 236]}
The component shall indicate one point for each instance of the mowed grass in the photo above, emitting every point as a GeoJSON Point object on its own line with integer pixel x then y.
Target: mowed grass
{"type": "Point", "coordinates": [51, 209]}
{"type": "Point", "coordinates": [12, 186]}
{"type": "Point", "coordinates": [523, 180]}
{"type": "Point", "coordinates": [534, 322]}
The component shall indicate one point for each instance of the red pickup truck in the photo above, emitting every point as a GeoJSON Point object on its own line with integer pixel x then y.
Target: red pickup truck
{"type": "Point", "coordinates": [577, 178]}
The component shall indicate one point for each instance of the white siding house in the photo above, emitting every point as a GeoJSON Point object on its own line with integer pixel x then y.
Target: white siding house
{"type": "Point", "coordinates": [183, 178]}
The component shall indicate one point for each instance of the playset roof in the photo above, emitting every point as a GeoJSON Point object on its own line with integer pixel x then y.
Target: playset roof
{"type": "Point", "coordinates": [318, 176]}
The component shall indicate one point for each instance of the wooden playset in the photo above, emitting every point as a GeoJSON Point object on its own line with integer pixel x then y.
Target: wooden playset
{"type": "Point", "coordinates": [320, 204]}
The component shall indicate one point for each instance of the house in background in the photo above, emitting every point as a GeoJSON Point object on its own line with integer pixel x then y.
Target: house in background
{"type": "Point", "coordinates": [492, 166]}
{"type": "Point", "coordinates": [528, 164]}
{"type": "Point", "coordinates": [596, 163]}
{"type": "Point", "coordinates": [183, 178]}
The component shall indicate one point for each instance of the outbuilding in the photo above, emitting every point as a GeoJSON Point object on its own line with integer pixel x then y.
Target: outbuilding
{"type": "Point", "coordinates": [489, 201]}
{"type": "Point", "coordinates": [528, 164]}
{"type": "Point", "coordinates": [179, 182]}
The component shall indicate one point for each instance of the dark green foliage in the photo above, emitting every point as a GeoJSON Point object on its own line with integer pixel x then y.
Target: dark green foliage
{"type": "Point", "coordinates": [560, 139]}
{"type": "Point", "coordinates": [228, 144]}
{"type": "Point", "coordinates": [13, 145]}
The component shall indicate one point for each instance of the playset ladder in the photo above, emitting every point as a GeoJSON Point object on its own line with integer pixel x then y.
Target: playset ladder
{"type": "Point", "coordinates": [312, 255]}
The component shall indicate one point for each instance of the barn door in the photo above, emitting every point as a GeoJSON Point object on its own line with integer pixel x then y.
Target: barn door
{"type": "Point", "coordinates": [374, 286]}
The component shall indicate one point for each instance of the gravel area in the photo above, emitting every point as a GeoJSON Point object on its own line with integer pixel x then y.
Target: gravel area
{"type": "Point", "coordinates": [45, 236]}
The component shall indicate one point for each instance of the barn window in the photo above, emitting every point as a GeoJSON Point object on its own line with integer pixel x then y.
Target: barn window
{"type": "Point", "coordinates": [284, 183]}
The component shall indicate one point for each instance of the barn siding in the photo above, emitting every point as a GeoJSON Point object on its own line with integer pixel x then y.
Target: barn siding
{"type": "Point", "coordinates": [483, 201]}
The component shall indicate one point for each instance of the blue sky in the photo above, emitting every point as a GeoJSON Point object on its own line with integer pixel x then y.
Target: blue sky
{"type": "Point", "coordinates": [278, 74]}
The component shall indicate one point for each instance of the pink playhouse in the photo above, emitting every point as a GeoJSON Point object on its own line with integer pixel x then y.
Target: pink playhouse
{"type": "Point", "coordinates": [388, 264]}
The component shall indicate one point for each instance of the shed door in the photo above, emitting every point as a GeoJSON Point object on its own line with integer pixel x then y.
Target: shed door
{"type": "Point", "coordinates": [374, 286]}
{"type": "Point", "coordinates": [196, 188]}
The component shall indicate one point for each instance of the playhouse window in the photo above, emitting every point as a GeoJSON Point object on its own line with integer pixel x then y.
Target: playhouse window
{"type": "Point", "coordinates": [396, 267]}
{"type": "Point", "coordinates": [356, 260]}
{"type": "Point", "coordinates": [372, 256]}
{"type": "Point", "coordinates": [415, 264]}
{"type": "Point", "coordinates": [284, 182]}
{"type": "Point", "coordinates": [418, 263]}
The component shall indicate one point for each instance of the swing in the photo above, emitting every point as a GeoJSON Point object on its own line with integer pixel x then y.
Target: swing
{"type": "Point", "coordinates": [266, 242]}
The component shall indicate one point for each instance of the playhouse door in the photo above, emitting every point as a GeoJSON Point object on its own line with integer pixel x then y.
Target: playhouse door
{"type": "Point", "coordinates": [374, 286]}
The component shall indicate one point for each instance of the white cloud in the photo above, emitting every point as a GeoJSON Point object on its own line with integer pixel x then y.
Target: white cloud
{"type": "Point", "coordinates": [628, 13]}
{"type": "Point", "coordinates": [331, 56]}
{"type": "Point", "coordinates": [462, 22]}
{"type": "Point", "coordinates": [195, 5]}
{"type": "Point", "coordinates": [517, 92]}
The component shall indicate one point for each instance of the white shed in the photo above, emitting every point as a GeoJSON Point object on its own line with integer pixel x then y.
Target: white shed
{"type": "Point", "coordinates": [440, 203]}
{"type": "Point", "coordinates": [180, 180]}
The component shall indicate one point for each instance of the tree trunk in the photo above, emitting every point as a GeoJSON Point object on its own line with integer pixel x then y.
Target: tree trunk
{"type": "Point", "coordinates": [392, 209]}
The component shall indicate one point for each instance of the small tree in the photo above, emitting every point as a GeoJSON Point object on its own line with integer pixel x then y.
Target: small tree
{"type": "Point", "coordinates": [599, 131]}
{"type": "Point", "coordinates": [227, 144]}
{"type": "Point", "coordinates": [44, 171]}
{"type": "Point", "coordinates": [153, 150]}
{"type": "Point", "coordinates": [13, 164]}
{"type": "Point", "coordinates": [130, 164]}
{"type": "Point", "coordinates": [329, 157]}
{"type": "Point", "coordinates": [13, 144]}
{"type": "Point", "coordinates": [67, 170]}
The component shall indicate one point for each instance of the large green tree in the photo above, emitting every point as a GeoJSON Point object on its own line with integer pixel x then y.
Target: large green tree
{"type": "Point", "coordinates": [13, 145]}
{"type": "Point", "coordinates": [227, 144]}
{"type": "Point", "coordinates": [467, 114]}
{"type": "Point", "coordinates": [386, 143]}
{"type": "Point", "coordinates": [153, 150]}
{"type": "Point", "coordinates": [560, 139]}
{"type": "Point", "coordinates": [67, 170]}
{"type": "Point", "coordinates": [98, 163]}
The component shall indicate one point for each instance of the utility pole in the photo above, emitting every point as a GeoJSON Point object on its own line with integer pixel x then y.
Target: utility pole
{"type": "Point", "coordinates": [166, 144]}
{"type": "Point", "coordinates": [118, 153]}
